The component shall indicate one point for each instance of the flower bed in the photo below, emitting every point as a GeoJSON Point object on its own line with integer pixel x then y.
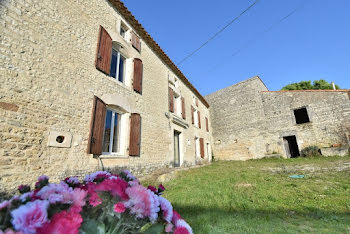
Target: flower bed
{"type": "Point", "coordinates": [102, 203]}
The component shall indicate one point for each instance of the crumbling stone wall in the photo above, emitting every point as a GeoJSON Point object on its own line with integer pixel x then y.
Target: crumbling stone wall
{"type": "Point", "coordinates": [250, 122]}
{"type": "Point", "coordinates": [48, 81]}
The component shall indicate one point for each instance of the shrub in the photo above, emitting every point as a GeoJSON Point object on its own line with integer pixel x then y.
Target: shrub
{"type": "Point", "coordinates": [311, 151]}
{"type": "Point", "coordinates": [102, 203]}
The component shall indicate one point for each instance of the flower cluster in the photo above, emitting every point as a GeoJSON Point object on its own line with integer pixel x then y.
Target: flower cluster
{"type": "Point", "coordinates": [103, 202]}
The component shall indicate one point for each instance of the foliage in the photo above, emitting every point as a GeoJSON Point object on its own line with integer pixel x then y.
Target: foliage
{"type": "Point", "coordinates": [307, 85]}
{"type": "Point", "coordinates": [311, 151]}
{"type": "Point", "coordinates": [102, 203]}
{"type": "Point", "coordinates": [251, 197]}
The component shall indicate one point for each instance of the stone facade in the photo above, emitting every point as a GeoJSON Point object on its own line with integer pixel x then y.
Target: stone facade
{"type": "Point", "coordinates": [49, 80]}
{"type": "Point", "coordinates": [251, 122]}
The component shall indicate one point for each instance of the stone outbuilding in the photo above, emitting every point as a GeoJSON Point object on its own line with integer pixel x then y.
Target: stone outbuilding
{"type": "Point", "coordinates": [251, 122]}
{"type": "Point", "coordinates": [84, 87]}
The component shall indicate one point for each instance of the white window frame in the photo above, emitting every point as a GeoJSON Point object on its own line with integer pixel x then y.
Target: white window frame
{"type": "Point", "coordinates": [122, 134]}
{"type": "Point", "coordinates": [118, 67]}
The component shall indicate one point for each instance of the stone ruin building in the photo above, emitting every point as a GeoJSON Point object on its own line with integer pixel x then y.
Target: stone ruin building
{"type": "Point", "coordinates": [251, 122]}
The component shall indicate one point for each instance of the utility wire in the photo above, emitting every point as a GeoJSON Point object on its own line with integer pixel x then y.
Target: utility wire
{"type": "Point", "coordinates": [257, 37]}
{"type": "Point", "coordinates": [217, 33]}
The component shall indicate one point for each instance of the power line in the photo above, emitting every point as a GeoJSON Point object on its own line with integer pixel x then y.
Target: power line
{"type": "Point", "coordinates": [255, 38]}
{"type": "Point", "coordinates": [217, 33]}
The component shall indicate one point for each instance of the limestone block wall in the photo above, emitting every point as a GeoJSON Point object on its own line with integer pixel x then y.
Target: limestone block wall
{"type": "Point", "coordinates": [48, 82]}
{"type": "Point", "coordinates": [237, 114]}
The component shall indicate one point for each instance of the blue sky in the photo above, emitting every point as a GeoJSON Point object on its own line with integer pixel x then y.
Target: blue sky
{"type": "Point", "coordinates": [311, 44]}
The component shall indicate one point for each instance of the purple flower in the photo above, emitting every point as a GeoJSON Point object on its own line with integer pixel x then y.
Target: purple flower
{"type": "Point", "coordinates": [56, 193]}
{"type": "Point", "coordinates": [167, 209]}
{"type": "Point", "coordinates": [73, 180]}
{"type": "Point", "coordinates": [129, 175]}
{"type": "Point", "coordinates": [26, 196]}
{"type": "Point", "coordinates": [161, 188]}
{"type": "Point", "coordinates": [98, 174]}
{"type": "Point", "coordinates": [30, 216]}
{"type": "Point", "coordinates": [4, 204]}
{"type": "Point", "coordinates": [23, 188]}
{"type": "Point", "coordinates": [43, 178]}
{"type": "Point", "coordinates": [143, 202]}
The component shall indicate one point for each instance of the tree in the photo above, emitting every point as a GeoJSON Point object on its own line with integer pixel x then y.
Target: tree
{"type": "Point", "coordinates": [307, 85]}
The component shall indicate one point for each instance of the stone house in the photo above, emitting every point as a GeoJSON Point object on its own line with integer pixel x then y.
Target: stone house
{"type": "Point", "coordinates": [84, 87]}
{"type": "Point", "coordinates": [250, 122]}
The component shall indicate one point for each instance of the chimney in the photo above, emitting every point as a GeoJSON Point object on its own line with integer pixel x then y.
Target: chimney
{"type": "Point", "coordinates": [333, 85]}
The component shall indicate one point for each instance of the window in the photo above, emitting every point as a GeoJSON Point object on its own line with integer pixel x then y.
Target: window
{"type": "Point", "coordinates": [111, 135]}
{"type": "Point", "coordinates": [301, 116]}
{"type": "Point", "coordinates": [122, 31]}
{"type": "Point", "coordinates": [196, 147]}
{"type": "Point", "coordinates": [117, 70]}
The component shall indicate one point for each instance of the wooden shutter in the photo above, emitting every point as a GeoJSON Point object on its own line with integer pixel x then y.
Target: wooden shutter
{"type": "Point", "coordinates": [183, 108]}
{"type": "Point", "coordinates": [135, 41]}
{"type": "Point", "coordinates": [97, 127]}
{"type": "Point", "coordinates": [199, 119]}
{"type": "Point", "coordinates": [201, 142]}
{"type": "Point", "coordinates": [138, 70]}
{"type": "Point", "coordinates": [192, 111]}
{"type": "Point", "coordinates": [196, 101]}
{"type": "Point", "coordinates": [104, 51]}
{"type": "Point", "coordinates": [207, 124]}
{"type": "Point", "coordinates": [135, 134]}
{"type": "Point", "coordinates": [171, 100]}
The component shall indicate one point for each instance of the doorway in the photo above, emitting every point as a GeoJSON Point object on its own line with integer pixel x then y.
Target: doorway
{"type": "Point", "coordinates": [176, 149]}
{"type": "Point", "coordinates": [291, 146]}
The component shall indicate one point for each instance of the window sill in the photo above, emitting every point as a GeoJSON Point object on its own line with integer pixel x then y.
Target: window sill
{"type": "Point", "coordinates": [109, 156]}
{"type": "Point", "coordinates": [120, 83]}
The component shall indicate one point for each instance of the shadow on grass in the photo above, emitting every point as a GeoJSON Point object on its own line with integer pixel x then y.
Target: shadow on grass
{"type": "Point", "coordinates": [216, 220]}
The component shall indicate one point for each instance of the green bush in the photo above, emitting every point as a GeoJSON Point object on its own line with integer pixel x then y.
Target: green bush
{"type": "Point", "coordinates": [311, 151]}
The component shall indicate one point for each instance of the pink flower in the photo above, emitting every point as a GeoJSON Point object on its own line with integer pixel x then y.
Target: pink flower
{"type": "Point", "coordinates": [119, 207]}
{"type": "Point", "coordinates": [94, 199]}
{"type": "Point", "coordinates": [181, 226]}
{"type": "Point", "coordinates": [176, 217]}
{"type": "Point", "coordinates": [10, 231]}
{"type": "Point", "coordinates": [23, 188]}
{"type": "Point", "coordinates": [116, 187]}
{"type": "Point", "coordinates": [78, 197]}
{"type": "Point", "coordinates": [133, 183]}
{"type": "Point", "coordinates": [143, 202]}
{"type": "Point", "coordinates": [4, 204]}
{"type": "Point", "coordinates": [30, 216]}
{"type": "Point", "coordinates": [63, 222]}
{"type": "Point", "coordinates": [181, 230]}
{"type": "Point", "coordinates": [152, 188]}
{"type": "Point", "coordinates": [169, 227]}
{"type": "Point", "coordinates": [167, 209]}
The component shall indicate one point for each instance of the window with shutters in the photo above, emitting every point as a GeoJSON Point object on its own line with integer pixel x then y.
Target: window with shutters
{"type": "Point", "coordinates": [197, 147]}
{"type": "Point", "coordinates": [117, 69]}
{"type": "Point", "coordinates": [123, 30]}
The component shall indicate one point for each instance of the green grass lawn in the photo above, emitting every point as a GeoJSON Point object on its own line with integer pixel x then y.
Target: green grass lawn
{"type": "Point", "coordinates": [257, 196]}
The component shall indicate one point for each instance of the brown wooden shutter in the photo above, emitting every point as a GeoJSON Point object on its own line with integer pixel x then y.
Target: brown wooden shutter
{"type": "Point", "coordinates": [192, 111]}
{"type": "Point", "coordinates": [97, 127]}
{"type": "Point", "coordinates": [135, 41]}
{"type": "Point", "coordinates": [199, 119]}
{"type": "Point", "coordinates": [171, 100]}
{"type": "Point", "coordinates": [138, 70]}
{"type": "Point", "coordinates": [201, 142]}
{"type": "Point", "coordinates": [207, 124]}
{"type": "Point", "coordinates": [135, 134]}
{"type": "Point", "coordinates": [183, 108]}
{"type": "Point", "coordinates": [104, 51]}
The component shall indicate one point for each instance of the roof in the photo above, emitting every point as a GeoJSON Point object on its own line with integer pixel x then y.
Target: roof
{"type": "Point", "coordinates": [311, 90]}
{"type": "Point", "coordinates": [121, 8]}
